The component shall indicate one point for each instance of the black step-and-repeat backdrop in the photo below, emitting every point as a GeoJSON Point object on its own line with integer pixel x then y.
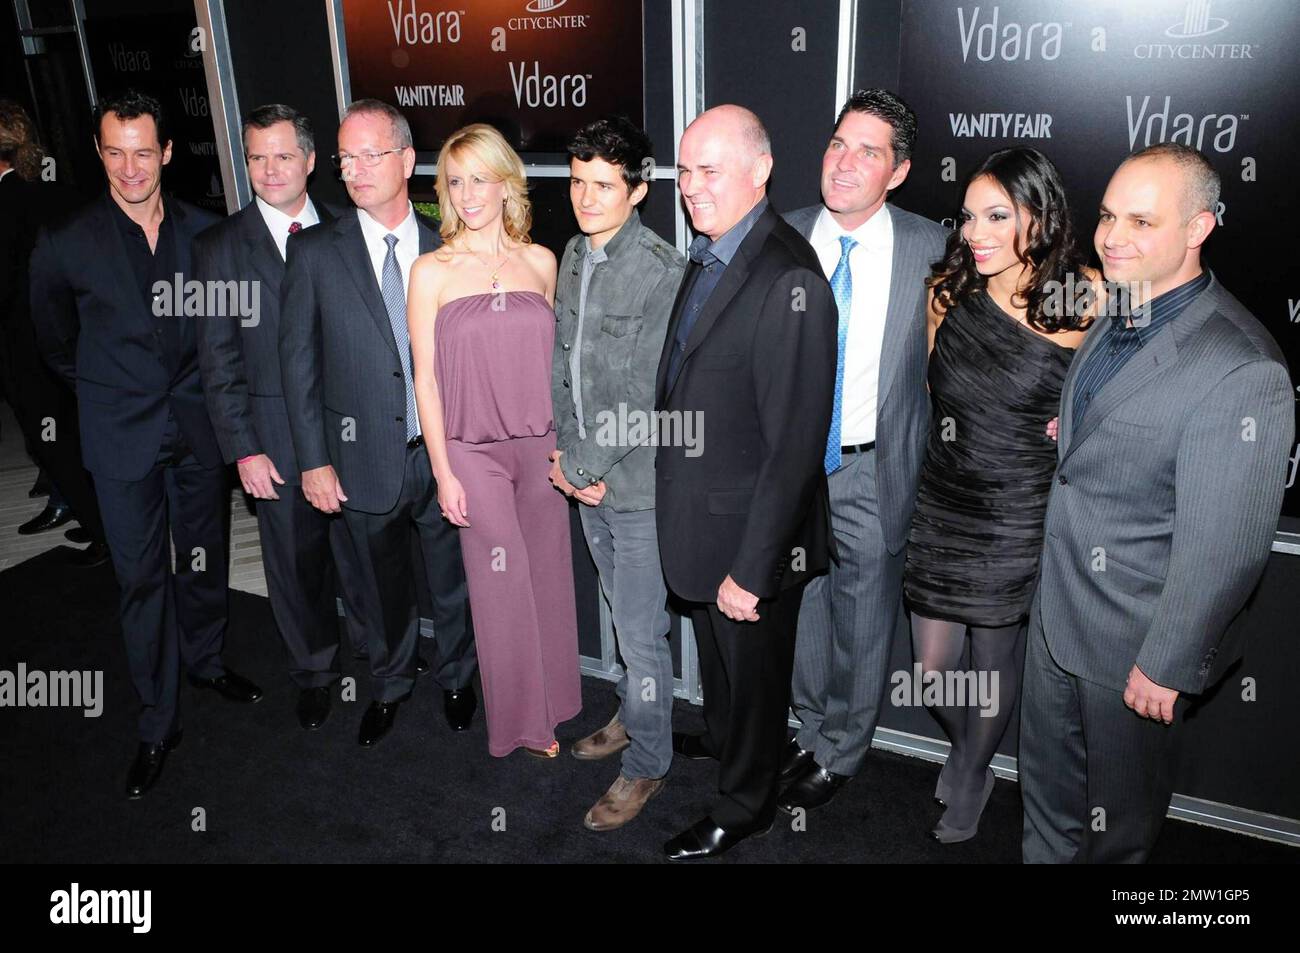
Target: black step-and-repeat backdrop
{"type": "Point", "coordinates": [158, 49]}
{"type": "Point", "coordinates": [1088, 81]}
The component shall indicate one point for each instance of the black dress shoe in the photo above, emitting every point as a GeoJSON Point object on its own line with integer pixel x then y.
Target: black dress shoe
{"type": "Point", "coordinates": [794, 763]}
{"type": "Point", "coordinates": [77, 535]}
{"type": "Point", "coordinates": [96, 554]}
{"type": "Point", "coordinates": [376, 722]}
{"type": "Point", "coordinates": [815, 788]}
{"type": "Point", "coordinates": [313, 707]}
{"type": "Point", "coordinates": [40, 488]}
{"type": "Point", "coordinates": [691, 747]}
{"type": "Point", "coordinates": [47, 518]}
{"type": "Point", "coordinates": [234, 687]}
{"type": "Point", "coordinates": [421, 666]}
{"type": "Point", "coordinates": [460, 706]}
{"type": "Point", "coordinates": [706, 839]}
{"type": "Point", "coordinates": [148, 765]}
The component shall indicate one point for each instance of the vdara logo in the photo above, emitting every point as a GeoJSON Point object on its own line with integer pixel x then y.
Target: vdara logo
{"type": "Point", "coordinates": [76, 906]}
{"type": "Point", "coordinates": [411, 27]}
{"type": "Point", "coordinates": [544, 89]}
{"type": "Point", "coordinates": [1185, 127]}
{"type": "Point", "coordinates": [1196, 23]}
{"type": "Point", "coordinates": [1008, 41]}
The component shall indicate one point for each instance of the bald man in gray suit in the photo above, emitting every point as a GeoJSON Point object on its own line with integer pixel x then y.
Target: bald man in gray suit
{"type": "Point", "coordinates": [1174, 432]}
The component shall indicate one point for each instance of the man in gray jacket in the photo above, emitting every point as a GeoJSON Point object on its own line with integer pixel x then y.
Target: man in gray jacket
{"type": "Point", "coordinates": [615, 291]}
{"type": "Point", "coordinates": [877, 258]}
{"type": "Point", "coordinates": [1176, 420]}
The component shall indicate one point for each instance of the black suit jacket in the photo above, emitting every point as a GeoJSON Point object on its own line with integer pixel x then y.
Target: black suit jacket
{"type": "Point", "coordinates": [96, 333]}
{"type": "Point", "coordinates": [759, 372]}
{"type": "Point", "coordinates": [341, 371]}
{"type": "Point", "coordinates": [240, 358]}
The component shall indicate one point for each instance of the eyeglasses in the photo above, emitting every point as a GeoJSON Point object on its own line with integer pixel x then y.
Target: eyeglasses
{"type": "Point", "coordinates": [367, 159]}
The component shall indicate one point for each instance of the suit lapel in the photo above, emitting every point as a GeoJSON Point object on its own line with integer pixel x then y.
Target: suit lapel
{"type": "Point", "coordinates": [1159, 355]}
{"type": "Point", "coordinates": [733, 278]}
{"type": "Point", "coordinates": [670, 341]}
{"type": "Point", "coordinates": [1065, 422]}
{"type": "Point", "coordinates": [900, 313]}
{"type": "Point", "coordinates": [429, 237]}
{"type": "Point", "coordinates": [350, 245]}
{"type": "Point", "coordinates": [259, 249]}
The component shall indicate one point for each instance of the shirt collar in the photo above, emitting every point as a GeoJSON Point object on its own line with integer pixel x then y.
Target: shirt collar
{"type": "Point", "coordinates": [279, 223]}
{"type": "Point", "coordinates": [130, 225]}
{"type": "Point", "coordinates": [1163, 308]}
{"type": "Point", "coordinates": [624, 237]}
{"type": "Point", "coordinates": [408, 233]}
{"type": "Point", "coordinates": [876, 234]}
{"type": "Point", "coordinates": [724, 249]}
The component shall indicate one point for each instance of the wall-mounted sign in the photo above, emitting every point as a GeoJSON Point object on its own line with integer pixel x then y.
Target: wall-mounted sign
{"type": "Point", "coordinates": [535, 69]}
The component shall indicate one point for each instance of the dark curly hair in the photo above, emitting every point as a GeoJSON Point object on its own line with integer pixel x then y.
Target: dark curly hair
{"type": "Point", "coordinates": [1034, 185]}
{"type": "Point", "coordinates": [619, 142]}
{"type": "Point", "coordinates": [132, 104]}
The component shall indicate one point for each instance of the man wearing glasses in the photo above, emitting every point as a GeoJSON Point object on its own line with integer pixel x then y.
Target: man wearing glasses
{"type": "Point", "coordinates": [345, 357]}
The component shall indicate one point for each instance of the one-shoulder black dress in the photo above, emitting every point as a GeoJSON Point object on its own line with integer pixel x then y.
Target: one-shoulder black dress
{"type": "Point", "coordinates": [973, 550]}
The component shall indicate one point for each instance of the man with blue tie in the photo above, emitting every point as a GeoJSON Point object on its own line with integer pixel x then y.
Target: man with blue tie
{"type": "Point", "coordinates": [877, 257]}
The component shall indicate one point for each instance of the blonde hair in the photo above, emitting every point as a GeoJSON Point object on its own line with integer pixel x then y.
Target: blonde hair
{"type": "Point", "coordinates": [490, 148]}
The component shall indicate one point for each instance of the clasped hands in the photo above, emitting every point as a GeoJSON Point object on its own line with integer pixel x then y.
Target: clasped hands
{"type": "Point", "coordinates": [591, 495]}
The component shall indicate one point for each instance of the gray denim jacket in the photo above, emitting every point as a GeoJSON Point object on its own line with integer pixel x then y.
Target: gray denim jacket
{"type": "Point", "coordinates": [629, 301]}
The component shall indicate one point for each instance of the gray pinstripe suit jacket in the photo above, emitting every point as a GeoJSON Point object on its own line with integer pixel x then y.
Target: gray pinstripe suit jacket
{"type": "Point", "coordinates": [1166, 500]}
{"type": "Point", "coordinates": [903, 402]}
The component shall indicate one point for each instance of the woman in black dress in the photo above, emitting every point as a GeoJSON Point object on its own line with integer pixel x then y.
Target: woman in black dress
{"type": "Point", "coordinates": [1008, 304]}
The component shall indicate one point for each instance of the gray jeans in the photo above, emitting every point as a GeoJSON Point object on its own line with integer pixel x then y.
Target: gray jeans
{"type": "Point", "coordinates": [625, 548]}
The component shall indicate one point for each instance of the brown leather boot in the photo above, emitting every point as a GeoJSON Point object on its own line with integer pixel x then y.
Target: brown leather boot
{"type": "Point", "coordinates": [607, 741]}
{"type": "Point", "coordinates": [622, 802]}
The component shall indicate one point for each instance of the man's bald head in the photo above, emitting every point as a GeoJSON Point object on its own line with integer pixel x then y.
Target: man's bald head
{"type": "Point", "coordinates": [723, 165]}
{"type": "Point", "coordinates": [1199, 181]}
{"type": "Point", "coordinates": [737, 124]}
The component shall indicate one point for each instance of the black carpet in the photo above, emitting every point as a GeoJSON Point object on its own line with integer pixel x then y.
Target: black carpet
{"type": "Point", "coordinates": [272, 792]}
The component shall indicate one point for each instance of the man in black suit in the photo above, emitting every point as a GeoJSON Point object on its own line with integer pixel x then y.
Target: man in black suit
{"type": "Point", "coordinates": [104, 289]}
{"type": "Point", "coordinates": [345, 355]}
{"type": "Point", "coordinates": [239, 356]}
{"type": "Point", "coordinates": [743, 512]}
{"type": "Point", "coordinates": [45, 407]}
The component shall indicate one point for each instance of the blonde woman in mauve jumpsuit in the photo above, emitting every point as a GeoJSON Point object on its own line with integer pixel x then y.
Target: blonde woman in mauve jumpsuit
{"type": "Point", "coordinates": [482, 332]}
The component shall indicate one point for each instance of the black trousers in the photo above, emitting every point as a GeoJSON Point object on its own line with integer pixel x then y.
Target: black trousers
{"type": "Point", "coordinates": [745, 670]}
{"type": "Point", "coordinates": [169, 619]}
{"type": "Point", "coordinates": [46, 410]}
{"type": "Point", "coordinates": [308, 559]}
{"type": "Point", "coordinates": [386, 579]}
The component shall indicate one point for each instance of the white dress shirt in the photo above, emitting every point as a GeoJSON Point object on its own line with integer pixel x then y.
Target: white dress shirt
{"type": "Point", "coordinates": [279, 223]}
{"type": "Point", "coordinates": [871, 263]}
{"type": "Point", "coordinates": [408, 244]}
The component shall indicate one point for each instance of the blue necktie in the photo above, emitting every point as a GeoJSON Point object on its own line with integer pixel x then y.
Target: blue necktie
{"type": "Point", "coordinates": [842, 286]}
{"type": "Point", "coordinates": [394, 291]}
